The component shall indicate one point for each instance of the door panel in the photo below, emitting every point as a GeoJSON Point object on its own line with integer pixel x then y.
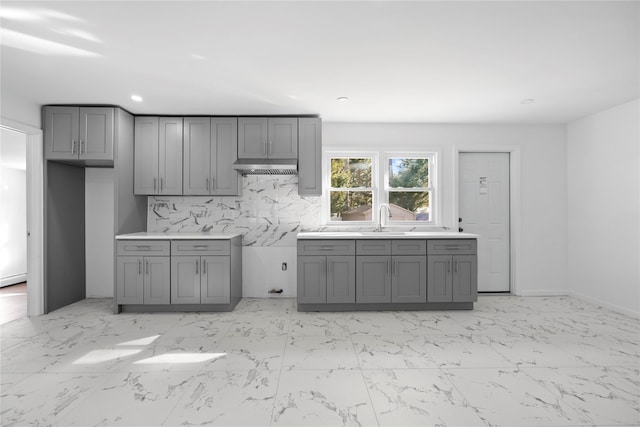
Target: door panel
{"type": "Point", "coordinates": [170, 155]}
{"type": "Point", "coordinates": [96, 133]}
{"type": "Point", "coordinates": [129, 280]}
{"type": "Point", "coordinates": [312, 279]}
{"type": "Point", "coordinates": [146, 155]}
{"type": "Point", "coordinates": [484, 209]}
{"type": "Point", "coordinates": [464, 278]}
{"type": "Point", "coordinates": [216, 280]}
{"type": "Point", "coordinates": [439, 278]}
{"type": "Point", "coordinates": [157, 280]}
{"type": "Point", "coordinates": [61, 132]}
{"type": "Point", "coordinates": [409, 283]}
{"type": "Point", "coordinates": [252, 138]}
{"type": "Point", "coordinates": [341, 279]}
{"type": "Point", "coordinates": [373, 279]}
{"type": "Point", "coordinates": [224, 152]}
{"type": "Point", "coordinates": [197, 155]}
{"type": "Point", "coordinates": [283, 138]}
{"type": "Point", "coordinates": [185, 280]}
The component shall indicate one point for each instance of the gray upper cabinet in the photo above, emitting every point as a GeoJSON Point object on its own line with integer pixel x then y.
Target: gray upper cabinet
{"type": "Point", "coordinates": [78, 133]}
{"type": "Point", "coordinates": [210, 149]}
{"type": "Point", "coordinates": [309, 157]}
{"type": "Point", "coordinates": [158, 155]}
{"type": "Point", "coordinates": [263, 138]}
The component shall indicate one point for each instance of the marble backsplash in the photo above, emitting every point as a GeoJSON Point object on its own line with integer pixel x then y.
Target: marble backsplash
{"type": "Point", "coordinates": [269, 212]}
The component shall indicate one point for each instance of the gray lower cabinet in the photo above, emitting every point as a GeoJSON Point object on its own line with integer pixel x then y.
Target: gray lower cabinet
{"type": "Point", "coordinates": [326, 272]}
{"type": "Point", "coordinates": [452, 270]}
{"type": "Point", "coordinates": [143, 273]}
{"type": "Point", "coordinates": [180, 273]}
{"type": "Point", "coordinates": [388, 271]}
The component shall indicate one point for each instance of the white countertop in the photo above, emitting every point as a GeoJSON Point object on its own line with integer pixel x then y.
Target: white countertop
{"type": "Point", "coordinates": [177, 236]}
{"type": "Point", "coordinates": [385, 235]}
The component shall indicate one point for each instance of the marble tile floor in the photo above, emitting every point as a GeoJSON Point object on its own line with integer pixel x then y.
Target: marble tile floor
{"type": "Point", "coordinates": [513, 361]}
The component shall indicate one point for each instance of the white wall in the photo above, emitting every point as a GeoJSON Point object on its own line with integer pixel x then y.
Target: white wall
{"type": "Point", "coordinates": [542, 246]}
{"type": "Point", "coordinates": [13, 207]}
{"type": "Point", "coordinates": [604, 207]}
{"type": "Point", "coordinates": [99, 224]}
{"type": "Point", "coordinates": [19, 109]}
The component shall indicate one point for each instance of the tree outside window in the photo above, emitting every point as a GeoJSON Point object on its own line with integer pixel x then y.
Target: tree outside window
{"type": "Point", "coordinates": [351, 192]}
{"type": "Point", "coordinates": [408, 189]}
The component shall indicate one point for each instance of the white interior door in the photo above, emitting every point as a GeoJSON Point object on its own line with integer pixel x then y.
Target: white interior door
{"type": "Point", "coordinates": [483, 200]}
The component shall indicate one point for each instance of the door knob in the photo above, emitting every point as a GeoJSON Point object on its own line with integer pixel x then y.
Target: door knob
{"type": "Point", "coordinates": [460, 229]}
{"type": "Point", "coordinates": [460, 219]}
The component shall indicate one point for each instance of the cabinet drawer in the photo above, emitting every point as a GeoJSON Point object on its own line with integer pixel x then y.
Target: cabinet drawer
{"type": "Point", "coordinates": [409, 247]}
{"type": "Point", "coordinates": [450, 247]}
{"type": "Point", "coordinates": [326, 247]}
{"type": "Point", "coordinates": [143, 247]}
{"type": "Point", "coordinates": [200, 247]}
{"type": "Point", "coordinates": [373, 247]}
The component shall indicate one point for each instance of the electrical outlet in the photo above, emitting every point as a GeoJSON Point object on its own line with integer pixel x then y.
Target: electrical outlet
{"type": "Point", "coordinates": [284, 266]}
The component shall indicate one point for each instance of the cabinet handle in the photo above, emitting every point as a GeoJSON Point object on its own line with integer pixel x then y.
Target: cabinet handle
{"type": "Point", "coordinates": [204, 267]}
{"type": "Point", "coordinates": [452, 248]}
{"type": "Point", "coordinates": [324, 269]}
{"type": "Point", "coordinates": [80, 150]}
{"type": "Point", "coordinates": [197, 267]}
{"type": "Point", "coordinates": [207, 183]}
{"type": "Point", "coordinates": [265, 147]}
{"type": "Point", "coordinates": [139, 267]}
{"type": "Point", "coordinates": [270, 146]}
{"type": "Point", "coordinates": [146, 264]}
{"type": "Point", "coordinates": [73, 146]}
{"type": "Point", "coordinates": [456, 267]}
{"type": "Point", "coordinates": [154, 184]}
{"type": "Point", "coordinates": [448, 266]}
{"type": "Point", "coordinates": [143, 246]}
{"type": "Point", "coordinates": [161, 184]}
{"type": "Point", "coordinates": [200, 246]}
{"type": "Point", "coordinates": [393, 268]}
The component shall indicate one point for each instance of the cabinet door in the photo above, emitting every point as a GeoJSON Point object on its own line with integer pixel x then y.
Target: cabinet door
{"type": "Point", "coordinates": [312, 279]}
{"type": "Point", "coordinates": [309, 157]}
{"type": "Point", "coordinates": [224, 152]}
{"type": "Point", "coordinates": [216, 280]}
{"type": "Point", "coordinates": [96, 133]}
{"type": "Point", "coordinates": [170, 155]}
{"type": "Point", "coordinates": [197, 156]}
{"type": "Point", "coordinates": [409, 279]}
{"type": "Point", "coordinates": [465, 278]}
{"type": "Point", "coordinates": [373, 279]}
{"type": "Point", "coordinates": [341, 279]}
{"type": "Point", "coordinates": [129, 280]}
{"type": "Point", "coordinates": [61, 138]}
{"type": "Point", "coordinates": [283, 138]}
{"type": "Point", "coordinates": [185, 280]}
{"type": "Point", "coordinates": [439, 278]}
{"type": "Point", "coordinates": [157, 275]}
{"type": "Point", "coordinates": [252, 138]}
{"type": "Point", "coordinates": [146, 155]}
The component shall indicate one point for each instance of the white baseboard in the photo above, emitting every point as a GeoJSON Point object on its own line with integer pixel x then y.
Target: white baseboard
{"type": "Point", "coordinates": [543, 293]}
{"type": "Point", "coordinates": [12, 280]}
{"type": "Point", "coordinates": [605, 304]}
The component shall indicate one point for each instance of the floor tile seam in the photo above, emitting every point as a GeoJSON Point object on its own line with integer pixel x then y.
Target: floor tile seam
{"type": "Point", "coordinates": [182, 395]}
{"type": "Point", "coordinates": [367, 388]}
{"type": "Point", "coordinates": [277, 391]}
{"type": "Point", "coordinates": [444, 373]}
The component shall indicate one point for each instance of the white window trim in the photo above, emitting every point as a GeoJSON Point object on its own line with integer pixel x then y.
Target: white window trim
{"type": "Point", "coordinates": [379, 187]}
{"type": "Point", "coordinates": [326, 202]}
{"type": "Point", "coordinates": [433, 185]}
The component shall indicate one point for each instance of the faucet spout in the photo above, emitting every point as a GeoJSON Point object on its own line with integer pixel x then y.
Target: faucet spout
{"type": "Point", "coordinates": [386, 206]}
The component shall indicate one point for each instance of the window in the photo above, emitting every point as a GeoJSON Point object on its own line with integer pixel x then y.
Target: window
{"type": "Point", "coordinates": [408, 189]}
{"type": "Point", "coordinates": [351, 188]}
{"type": "Point", "coordinates": [355, 189]}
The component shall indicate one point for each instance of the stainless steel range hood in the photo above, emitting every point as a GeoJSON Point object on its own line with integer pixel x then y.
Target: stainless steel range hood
{"type": "Point", "coordinates": [266, 166]}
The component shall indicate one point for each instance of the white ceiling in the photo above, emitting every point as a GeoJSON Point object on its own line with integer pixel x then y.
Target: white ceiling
{"type": "Point", "coordinates": [437, 62]}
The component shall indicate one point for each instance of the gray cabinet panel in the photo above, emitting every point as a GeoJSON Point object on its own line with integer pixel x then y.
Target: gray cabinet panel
{"type": "Point", "coordinates": [373, 247]}
{"type": "Point", "coordinates": [170, 155]}
{"type": "Point", "coordinates": [283, 138]}
{"type": "Point", "coordinates": [409, 283]}
{"type": "Point", "coordinates": [452, 247]}
{"type": "Point", "coordinates": [61, 133]}
{"type": "Point", "coordinates": [408, 247]}
{"type": "Point", "coordinates": [185, 280]}
{"type": "Point", "coordinates": [157, 280]}
{"type": "Point", "coordinates": [309, 157]}
{"type": "Point", "coordinates": [312, 281]}
{"type": "Point", "coordinates": [200, 247]}
{"type": "Point", "coordinates": [215, 280]}
{"type": "Point", "coordinates": [143, 247]}
{"type": "Point", "coordinates": [439, 281]}
{"type": "Point", "coordinates": [129, 280]}
{"type": "Point", "coordinates": [373, 279]}
{"type": "Point", "coordinates": [96, 133]}
{"type": "Point", "coordinates": [341, 279]}
{"type": "Point", "coordinates": [197, 156]}
{"type": "Point", "coordinates": [224, 152]}
{"type": "Point", "coordinates": [252, 137]}
{"type": "Point", "coordinates": [465, 280]}
{"type": "Point", "coordinates": [326, 247]}
{"type": "Point", "coordinates": [146, 155]}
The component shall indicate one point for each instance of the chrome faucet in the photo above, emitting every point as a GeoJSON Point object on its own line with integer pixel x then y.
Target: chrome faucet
{"type": "Point", "coordinates": [382, 205]}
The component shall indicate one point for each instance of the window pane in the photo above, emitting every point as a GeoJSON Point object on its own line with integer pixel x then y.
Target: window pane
{"type": "Point", "coordinates": [409, 206]}
{"type": "Point", "coordinates": [351, 205]}
{"type": "Point", "coordinates": [408, 173]}
{"type": "Point", "coordinates": [350, 173]}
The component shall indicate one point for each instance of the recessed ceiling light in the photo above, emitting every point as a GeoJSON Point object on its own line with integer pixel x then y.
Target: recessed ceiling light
{"type": "Point", "coordinates": [136, 98]}
{"type": "Point", "coordinates": [343, 99]}
{"type": "Point", "coordinates": [526, 101]}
